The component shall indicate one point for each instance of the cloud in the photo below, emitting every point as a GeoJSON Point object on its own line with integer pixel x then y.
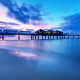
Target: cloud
{"type": "Point", "coordinates": [75, 10]}
{"type": "Point", "coordinates": [8, 23]}
{"type": "Point", "coordinates": [53, 29]}
{"type": "Point", "coordinates": [67, 9]}
{"type": "Point", "coordinates": [71, 23]}
{"type": "Point", "coordinates": [46, 13]}
{"type": "Point", "coordinates": [30, 29]}
{"type": "Point", "coordinates": [51, 19]}
{"type": "Point", "coordinates": [7, 28]}
{"type": "Point", "coordinates": [24, 13]}
{"type": "Point", "coordinates": [72, 2]}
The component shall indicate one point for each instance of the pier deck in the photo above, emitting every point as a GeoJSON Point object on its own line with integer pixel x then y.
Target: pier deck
{"type": "Point", "coordinates": [37, 36]}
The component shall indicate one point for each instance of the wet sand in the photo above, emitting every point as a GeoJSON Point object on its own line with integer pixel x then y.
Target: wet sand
{"type": "Point", "coordinates": [39, 67]}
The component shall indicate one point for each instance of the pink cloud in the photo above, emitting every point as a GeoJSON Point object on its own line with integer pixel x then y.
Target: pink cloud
{"type": "Point", "coordinates": [41, 25]}
{"type": "Point", "coordinates": [2, 13]}
{"type": "Point", "coordinates": [31, 26]}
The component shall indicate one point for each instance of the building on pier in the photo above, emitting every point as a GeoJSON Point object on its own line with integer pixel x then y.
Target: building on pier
{"type": "Point", "coordinates": [40, 31]}
{"type": "Point", "coordinates": [49, 32]}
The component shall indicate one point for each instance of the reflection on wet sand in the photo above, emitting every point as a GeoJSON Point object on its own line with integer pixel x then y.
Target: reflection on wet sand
{"type": "Point", "coordinates": [24, 54]}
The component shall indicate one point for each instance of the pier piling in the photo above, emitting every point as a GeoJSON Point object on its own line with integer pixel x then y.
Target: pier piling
{"type": "Point", "coordinates": [60, 37]}
{"type": "Point", "coordinates": [38, 37]}
{"type": "Point", "coordinates": [48, 36]}
{"type": "Point", "coordinates": [42, 36]}
{"type": "Point", "coordinates": [2, 37]}
{"type": "Point", "coordinates": [53, 37]}
{"type": "Point", "coordinates": [31, 37]}
{"type": "Point", "coordinates": [35, 37]}
{"type": "Point", "coordinates": [45, 37]}
{"type": "Point", "coordinates": [64, 36]}
{"type": "Point", "coordinates": [68, 36]}
{"type": "Point", "coordinates": [18, 37]}
{"type": "Point", "coordinates": [56, 37]}
{"type": "Point", "coordinates": [73, 36]}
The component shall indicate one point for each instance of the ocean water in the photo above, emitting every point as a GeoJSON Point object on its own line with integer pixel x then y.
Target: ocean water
{"type": "Point", "coordinates": [57, 59]}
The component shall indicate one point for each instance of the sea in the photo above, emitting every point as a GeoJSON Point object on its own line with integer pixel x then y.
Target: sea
{"type": "Point", "coordinates": [25, 59]}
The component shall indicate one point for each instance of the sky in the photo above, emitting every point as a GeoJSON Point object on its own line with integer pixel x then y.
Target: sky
{"type": "Point", "coordinates": [25, 15]}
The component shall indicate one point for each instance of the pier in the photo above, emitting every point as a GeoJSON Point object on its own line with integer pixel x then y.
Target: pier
{"type": "Point", "coordinates": [35, 36]}
{"type": "Point", "coordinates": [41, 36]}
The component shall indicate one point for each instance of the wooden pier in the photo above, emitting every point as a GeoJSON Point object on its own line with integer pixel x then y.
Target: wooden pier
{"type": "Point", "coordinates": [35, 36]}
{"type": "Point", "coordinates": [41, 36]}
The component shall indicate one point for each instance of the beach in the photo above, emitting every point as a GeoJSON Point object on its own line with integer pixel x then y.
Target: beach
{"type": "Point", "coordinates": [39, 60]}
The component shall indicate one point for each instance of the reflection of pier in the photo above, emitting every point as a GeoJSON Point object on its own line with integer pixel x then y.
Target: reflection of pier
{"type": "Point", "coordinates": [37, 36]}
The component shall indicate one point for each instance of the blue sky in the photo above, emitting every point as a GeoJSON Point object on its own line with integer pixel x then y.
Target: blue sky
{"type": "Point", "coordinates": [40, 14]}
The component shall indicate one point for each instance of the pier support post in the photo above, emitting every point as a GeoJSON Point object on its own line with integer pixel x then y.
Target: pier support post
{"type": "Point", "coordinates": [45, 36]}
{"type": "Point", "coordinates": [2, 37]}
{"type": "Point", "coordinates": [48, 36]}
{"type": "Point", "coordinates": [42, 36]}
{"type": "Point", "coordinates": [38, 37]}
{"type": "Point", "coordinates": [60, 37]}
{"type": "Point", "coordinates": [35, 37]}
{"type": "Point", "coordinates": [57, 37]}
{"type": "Point", "coordinates": [68, 36]}
{"type": "Point", "coordinates": [53, 37]}
{"type": "Point", "coordinates": [18, 37]}
{"type": "Point", "coordinates": [73, 36]}
{"type": "Point", "coordinates": [64, 36]}
{"type": "Point", "coordinates": [31, 37]}
{"type": "Point", "coordinates": [78, 36]}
